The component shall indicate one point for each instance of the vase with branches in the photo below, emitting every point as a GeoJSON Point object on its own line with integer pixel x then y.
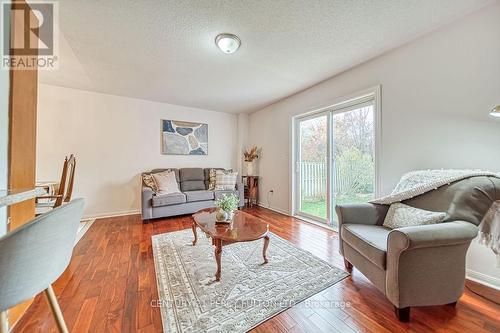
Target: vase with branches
{"type": "Point", "coordinates": [250, 156]}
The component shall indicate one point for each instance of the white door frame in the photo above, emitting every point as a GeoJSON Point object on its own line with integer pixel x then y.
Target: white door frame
{"type": "Point", "coordinates": [296, 170]}
{"type": "Point", "coordinates": [330, 110]}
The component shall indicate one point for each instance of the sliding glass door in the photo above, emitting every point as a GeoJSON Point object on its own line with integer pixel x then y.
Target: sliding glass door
{"type": "Point", "coordinates": [311, 166]}
{"type": "Point", "coordinates": [334, 159]}
{"type": "Point", "coordinates": [353, 155]}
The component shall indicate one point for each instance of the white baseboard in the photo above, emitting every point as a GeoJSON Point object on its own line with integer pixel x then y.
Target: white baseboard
{"type": "Point", "coordinates": [111, 214]}
{"type": "Point", "coordinates": [277, 210]}
{"type": "Point", "coordinates": [487, 280]}
{"type": "Point", "coordinates": [87, 223]}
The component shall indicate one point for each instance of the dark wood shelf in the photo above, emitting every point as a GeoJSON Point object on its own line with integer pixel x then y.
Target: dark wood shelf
{"type": "Point", "coordinates": [251, 184]}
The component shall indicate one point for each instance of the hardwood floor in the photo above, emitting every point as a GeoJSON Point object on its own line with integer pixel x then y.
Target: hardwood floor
{"type": "Point", "coordinates": [110, 283]}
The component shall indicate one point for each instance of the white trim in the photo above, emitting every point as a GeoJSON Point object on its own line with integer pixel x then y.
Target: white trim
{"type": "Point", "coordinates": [86, 227]}
{"type": "Point", "coordinates": [275, 209]}
{"type": "Point", "coordinates": [313, 221]}
{"type": "Point", "coordinates": [298, 217]}
{"type": "Point", "coordinates": [332, 106]}
{"type": "Point", "coordinates": [291, 166]}
{"type": "Point", "coordinates": [486, 280]}
{"type": "Point", "coordinates": [342, 100]}
{"type": "Point", "coordinates": [111, 214]}
{"type": "Point", "coordinates": [305, 216]}
{"type": "Point", "coordinates": [378, 137]}
{"type": "Point", "coordinates": [296, 151]}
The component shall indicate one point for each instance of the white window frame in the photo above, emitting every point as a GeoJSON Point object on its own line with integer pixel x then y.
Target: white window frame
{"type": "Point", "coordinates": [338, 105]}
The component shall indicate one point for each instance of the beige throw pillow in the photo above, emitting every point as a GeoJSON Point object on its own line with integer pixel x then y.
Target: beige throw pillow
{"type": "Point", "coordinates": [167, 184]}
{"type": "Point", "coordinates": [400, 215]}
{"type": "Point", "coordinates": [225, 180]}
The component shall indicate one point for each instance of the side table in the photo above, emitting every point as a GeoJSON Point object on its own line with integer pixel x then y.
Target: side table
{"type": "Point", "coordinates": [251, 184]}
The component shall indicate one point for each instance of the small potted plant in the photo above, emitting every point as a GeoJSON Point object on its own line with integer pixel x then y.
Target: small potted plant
{"type": "Point", "coordinates": [227, 204]}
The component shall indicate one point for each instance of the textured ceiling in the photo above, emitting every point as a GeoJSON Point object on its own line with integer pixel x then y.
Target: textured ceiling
{"type": "Point", "coordinates": [164, 50]}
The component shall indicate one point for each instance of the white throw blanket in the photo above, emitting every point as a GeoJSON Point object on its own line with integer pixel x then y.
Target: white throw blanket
{"type": "Point", "coordinates": [419, 182]}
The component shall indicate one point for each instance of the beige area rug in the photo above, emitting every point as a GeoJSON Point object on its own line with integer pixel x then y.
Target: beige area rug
{"type": "Point", "coordinates": [249, 292]}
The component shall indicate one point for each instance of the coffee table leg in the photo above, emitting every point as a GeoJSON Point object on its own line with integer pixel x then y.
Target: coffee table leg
{"type": "Point", "coordinates": [218, 253]}
{"type": "Point", "coordinates": [264, 250]}
{"type": "Point", "coordinates": [194, 232]}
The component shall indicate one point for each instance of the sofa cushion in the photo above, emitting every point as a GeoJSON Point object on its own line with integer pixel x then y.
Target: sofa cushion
{"type": "Point", "coordinates": [219, 194]}
{"type": "Point", "coordinates": [191, 174]}
{"type": "Point", "coordinates": [192, 179]}
{"type": "Point", "coordinates": [168, 199]}
{"type": "Point", "coordinates": [192, 185]}
{"type": "Point", "coordinates": [199, 195]}
{"type": "Point", "coordinates": [369, 240]}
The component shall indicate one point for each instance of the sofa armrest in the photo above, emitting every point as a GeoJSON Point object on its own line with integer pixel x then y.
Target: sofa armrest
{"type": "Point", "coordinates": [146, 203]}
{"type": "Point", "coordinates": [241, 192]}
{"type": "Point", "coordinates": [432, 235]}
{"type": "Point", "coordinates": [361, 213]}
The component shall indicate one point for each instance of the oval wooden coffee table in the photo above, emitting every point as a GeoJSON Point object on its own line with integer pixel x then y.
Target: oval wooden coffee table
{"type": "Point", "coordinates": [243, 228]}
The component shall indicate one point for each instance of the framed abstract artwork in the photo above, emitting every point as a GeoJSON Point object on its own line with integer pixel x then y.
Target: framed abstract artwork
{"type": "Point", "coordinates": [184, 138]}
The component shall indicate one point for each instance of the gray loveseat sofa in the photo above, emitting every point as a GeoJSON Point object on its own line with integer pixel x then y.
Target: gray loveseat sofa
{"type": "Point", "coordinates": [193, 184]}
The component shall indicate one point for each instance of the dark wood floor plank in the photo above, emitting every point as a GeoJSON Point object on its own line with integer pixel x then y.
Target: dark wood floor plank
{"type": "Point", "coordinates": [110, 283]}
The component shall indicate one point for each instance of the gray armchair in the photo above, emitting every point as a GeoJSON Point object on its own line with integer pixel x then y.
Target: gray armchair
{"type": "Point", "coordinates": [418, 265]}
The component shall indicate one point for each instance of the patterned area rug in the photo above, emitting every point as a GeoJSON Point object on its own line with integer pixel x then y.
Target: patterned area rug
{"type": "Point", "coordinates": [249, 292]}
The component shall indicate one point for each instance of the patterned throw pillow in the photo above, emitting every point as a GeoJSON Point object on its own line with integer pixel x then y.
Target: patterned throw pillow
{"type": "Point", "coordinates": [225, 180]}
{"type": "Point", "coordinates": [400, 215]}
{"type": "Point", "coordinates": [212, 175]}
{"type": "Point", "coordinates": [211, 179]}
{"type": "Point", "coordinates": [149, 181]}
{"type": "Point", "coordinates": [167, 184]}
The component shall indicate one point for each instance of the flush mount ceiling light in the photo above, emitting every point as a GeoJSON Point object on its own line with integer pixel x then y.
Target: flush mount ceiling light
{"type": "Point", "coordinates": [227, 43]}
{"type": "Point", "coordinates": [496, 111]}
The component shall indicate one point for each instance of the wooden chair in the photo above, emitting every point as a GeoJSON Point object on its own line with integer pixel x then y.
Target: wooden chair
{"type": "Point", "coordinates": [65, 188]}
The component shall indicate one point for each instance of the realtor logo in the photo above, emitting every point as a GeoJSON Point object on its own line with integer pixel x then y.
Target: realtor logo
{"type": "Point", "coordinates": [29, 35]}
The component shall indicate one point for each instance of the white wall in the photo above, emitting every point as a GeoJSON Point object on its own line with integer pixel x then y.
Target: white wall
{"type": "Point", "coordinates": [115, 139]}
{"type": "Point", "coordinates": [4, 136]}
{"type": "Point", "coordinates": [242, 140]}
{"type": "Point", "coordinates": [436, 94]}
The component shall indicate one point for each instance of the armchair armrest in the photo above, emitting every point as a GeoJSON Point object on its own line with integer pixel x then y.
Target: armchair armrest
{"type": "Point", "coordinates": [432, 235]}
{"type": "Point", "coordinates": [361, 213]}
{"type": "Point", "coordinates": [146, 203]}
{"type": "Point", "coordinates": [428, 257]}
